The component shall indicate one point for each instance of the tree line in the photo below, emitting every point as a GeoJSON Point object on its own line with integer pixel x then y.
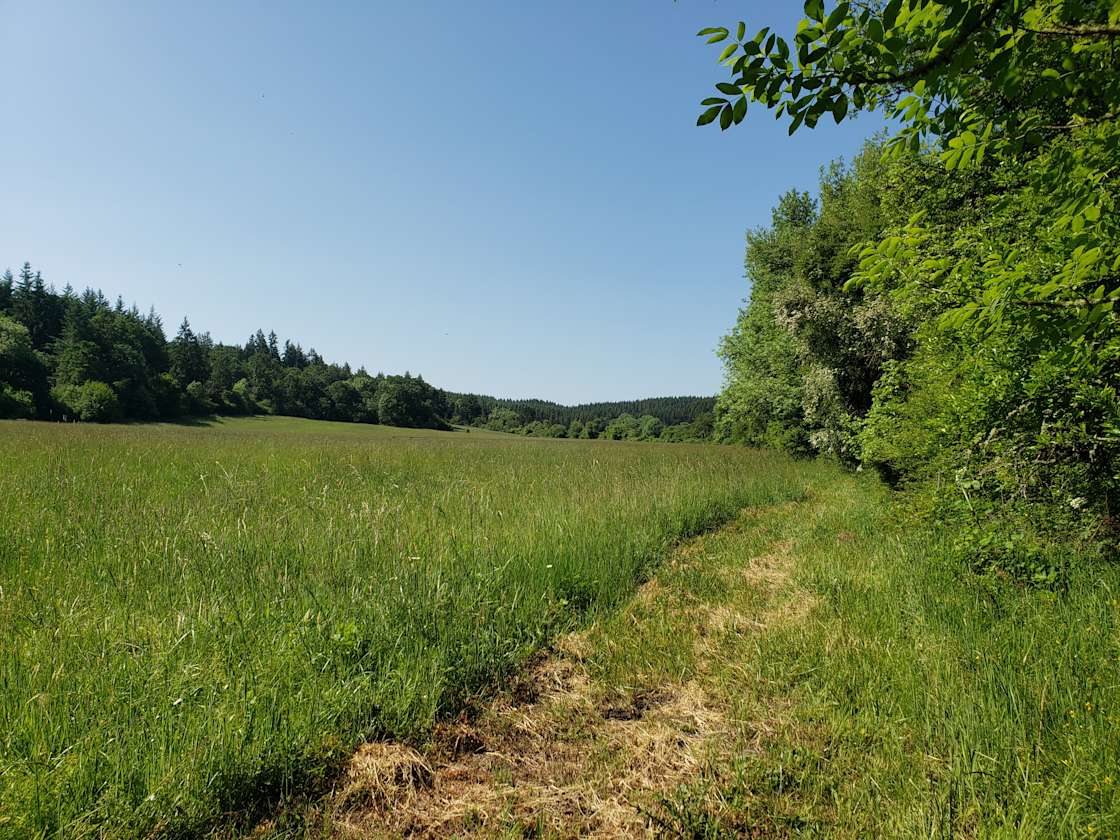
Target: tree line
{"type": "Point", "coordinates": [944, 314]}
{"type": "Point", "coordinates": [70, 356]}
{"type": "Point", "coordinates": [669, 410]}
{"type": "Point", "coordinates": [669, 419]}
{"type": "Point", "coordinates": [67, 356]}
{"type": "Point", "coordinates": [625, 426]}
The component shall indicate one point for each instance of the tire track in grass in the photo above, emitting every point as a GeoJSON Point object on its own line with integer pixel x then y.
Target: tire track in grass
{"type": "Point", "coordinates": [594, 737]}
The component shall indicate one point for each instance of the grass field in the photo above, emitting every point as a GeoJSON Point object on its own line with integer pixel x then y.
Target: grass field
{"type": "Point", "coordinates": [816, 668]}
{"type": "Point", "coordinates": [200, 623]}
{"type": "Point", "coordinates": [888, 692]}
{"type": "Point", "coordinates": [195, 621]}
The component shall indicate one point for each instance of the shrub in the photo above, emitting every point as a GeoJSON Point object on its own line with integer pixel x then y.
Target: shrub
{"type": "Point", "coordinates": [16, 404]}
{"type": "Point", "coordinates": [91, 402]}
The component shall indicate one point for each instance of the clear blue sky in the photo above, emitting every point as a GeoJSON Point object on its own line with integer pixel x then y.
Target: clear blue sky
{"type": "Point", "coordinates": [507, 197]}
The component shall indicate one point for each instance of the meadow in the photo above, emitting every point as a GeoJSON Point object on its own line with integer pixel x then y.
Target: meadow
{"type": "Point", "coordinates": [196, 621]}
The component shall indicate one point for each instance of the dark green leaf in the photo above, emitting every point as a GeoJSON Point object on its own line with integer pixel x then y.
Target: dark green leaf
{"type": "Point", "coordinates": [890, 13]}
{"type": "Point", "coordinates": [740, 110]}
{"type": "Point", "coordinates": [709, 115]}
{"type": "Point", "coordinates": [817, 54]}
{"type": "Point", "coordinates": [837, 17]}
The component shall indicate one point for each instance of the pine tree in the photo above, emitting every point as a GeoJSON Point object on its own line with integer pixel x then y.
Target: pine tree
{"type": "Point", "coordinates": [7, 282]}
{"type": "Point", "coordinates": [188, 359]}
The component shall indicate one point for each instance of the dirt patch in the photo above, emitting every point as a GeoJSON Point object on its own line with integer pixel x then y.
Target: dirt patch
{"type": "Point", "coordinates": [381, 774]}
{"type": "Point", "coordinates": [636, 706]}
{"type": "Point", "coordinates": [565, 765]}
{"type": "Point", "coordinates": [771, 569]}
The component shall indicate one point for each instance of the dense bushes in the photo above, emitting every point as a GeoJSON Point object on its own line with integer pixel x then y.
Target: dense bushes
{"type": "Point", "coordinates": [949, 307]}
{"type": "Point", "coordinates": [91, 402]}
{"type": "Point", "coordinates": [1008, 427]}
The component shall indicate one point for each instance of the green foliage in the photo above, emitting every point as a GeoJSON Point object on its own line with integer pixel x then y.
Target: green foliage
{"type": "Point", "coordinates": [669, 410]}
{"type": "Point", "coordinates": [195, 400]}
{"type": "Point", "coordinates": [409, 401]}
{"type": "Point", "coordinates": [978, 283]}
{"type": "Point", "coordinates": [90, 402]}
{"type": "Point", "coordinates": [804, 355]}
{"type": "Point", "coordinates": [188, 356]}
{"type": "Point", "coordinates": [649, 427]}
{"type": "Point", "coordinates": [84, 338]}
{"type": "Point", "coordinates": [60, 343]}
{"type": "Point", "coordinates": [600, 423]}
{"type": "Point", "coordinates": [623, 427]}
{"type": "Point", "coordinates": [503, 420]}
{"type": "Point", "coordinates": [22, 373]}
{"type": "Point", "coordinates": [541, 428]}
{"type": "Point", "coordinates": [15, 404]}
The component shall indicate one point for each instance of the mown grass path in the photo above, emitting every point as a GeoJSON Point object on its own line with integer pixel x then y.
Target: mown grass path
{"type": "Point", "coordinates": [815, 668]}
{"type": "Point", "coordinates": [595, 735]}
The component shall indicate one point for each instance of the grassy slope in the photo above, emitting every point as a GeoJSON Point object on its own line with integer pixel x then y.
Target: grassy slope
{"type": "Point", "coordinates": [816, 669]}
{"type": "Point", "coordinates": [196, 620]}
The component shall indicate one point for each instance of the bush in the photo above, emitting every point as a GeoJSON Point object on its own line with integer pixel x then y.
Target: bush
{"type": "Point", "coordinates": [90, 402]}
{"type": "Point", "coordinates": [16, 404]}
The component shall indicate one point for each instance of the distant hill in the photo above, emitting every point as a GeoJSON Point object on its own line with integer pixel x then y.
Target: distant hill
{"type": "Point", "coordinates": [669, 410]}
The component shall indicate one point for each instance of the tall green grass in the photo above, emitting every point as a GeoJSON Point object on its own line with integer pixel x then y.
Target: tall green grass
{"type": "Point", "coordinates": [918, 698]}
{"type": "Point", "coordinates": [978, 707]}
{"type": "Point", "coordinates": [195, 621]}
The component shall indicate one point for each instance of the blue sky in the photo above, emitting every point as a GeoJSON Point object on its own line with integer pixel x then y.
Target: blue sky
{"type": "Point", "coordinates": [507, 197]}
